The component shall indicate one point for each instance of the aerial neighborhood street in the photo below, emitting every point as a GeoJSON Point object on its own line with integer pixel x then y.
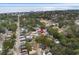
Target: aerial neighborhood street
{"type": "Point", "coordinates": [39, 33]}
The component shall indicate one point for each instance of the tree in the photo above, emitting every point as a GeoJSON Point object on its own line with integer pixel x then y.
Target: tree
{"type": "Point", "coordinates": [57, 49]}
{"type": "Point", "coordinates": [13, 36]}
{"type": "Point", "coordinates": [7, 45]}
{"type": "Point", "coordinates": [54, 32]}
{"type": "Point", "coordinates": [2, 29]}
{"type": "Point", "coordinates": [42, 25]}
{"type": "Point", "coordinates": [50, 30]}
{"type": "Point", "coordinates": [44, 40]}
{"type": "Point", "coordinates": [28, 47]}
{"type": "Point", "coordinates": [12, 27]}
{"type": "Point", "coordinates": [76, 51]}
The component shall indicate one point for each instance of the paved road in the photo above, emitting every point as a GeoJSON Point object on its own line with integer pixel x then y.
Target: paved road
{"type": "Point", "coordinates": [17, 52]}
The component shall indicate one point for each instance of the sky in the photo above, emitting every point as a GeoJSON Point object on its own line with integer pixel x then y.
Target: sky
{"type": "Point", "coordinates": [27, 7]}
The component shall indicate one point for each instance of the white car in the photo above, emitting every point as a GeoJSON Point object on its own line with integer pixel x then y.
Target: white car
{"type": "Point", "coordinates": [29, 37]}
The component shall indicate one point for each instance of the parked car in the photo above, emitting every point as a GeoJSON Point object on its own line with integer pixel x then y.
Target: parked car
{"type": "Point", "coordinates": [22, 38]}
{"type": "Point", "coordinates": [24, 53]}
{"type": "Point", "coordinates": [22, 47]}
{"type": "Point", "coordinates": [23, 50]}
